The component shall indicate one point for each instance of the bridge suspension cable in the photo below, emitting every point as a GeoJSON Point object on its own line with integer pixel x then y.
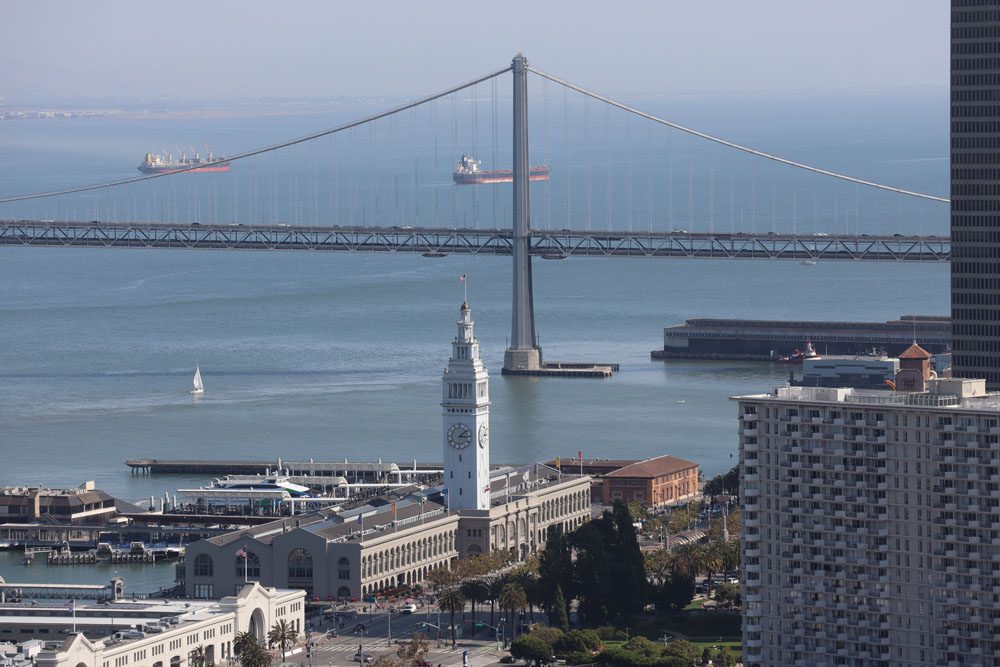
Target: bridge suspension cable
{"type": "Point", "coordinates": [730, 144]}
{"type": "Point", "coordinates": [267, 149]}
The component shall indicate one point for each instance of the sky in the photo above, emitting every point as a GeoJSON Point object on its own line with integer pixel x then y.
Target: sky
{"type": "Point", "coordinates": [307, 48]}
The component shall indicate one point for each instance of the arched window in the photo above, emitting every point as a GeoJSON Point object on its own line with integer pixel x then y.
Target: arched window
{"type": "Point", "coordinates": [300, 570]}
{"type": "Point", "coordinates": [343, 569]}
{"type": "Point", "coordinates": [247, 566]}
{"type": "Point", "coordinates": [344, 592]}
{"type": "Point", "coordinates": [203, 566]}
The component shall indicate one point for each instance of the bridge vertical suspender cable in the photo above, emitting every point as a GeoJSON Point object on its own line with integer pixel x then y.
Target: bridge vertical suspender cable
{"type": "Point", "coordinates": [730, 144]}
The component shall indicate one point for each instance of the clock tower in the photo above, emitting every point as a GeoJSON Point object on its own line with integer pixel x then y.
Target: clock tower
{"type": "Point", "coordinates": [465, 410]}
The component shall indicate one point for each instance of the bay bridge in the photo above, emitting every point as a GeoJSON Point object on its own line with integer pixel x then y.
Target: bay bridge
{"type": "Point", "coordinates": [362, 186]}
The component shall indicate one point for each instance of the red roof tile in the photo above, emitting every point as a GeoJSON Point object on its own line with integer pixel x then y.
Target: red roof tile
{"type": "Point", "coordinates": [915, 352]}
{"type": "Point", "coordinates": [655, 467]}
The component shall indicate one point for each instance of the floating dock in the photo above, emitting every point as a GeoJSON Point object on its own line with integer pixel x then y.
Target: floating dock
{"type": "Point", "coordinates": [566, 369]}
{"type": "Point", "coordinates": [766, 340]}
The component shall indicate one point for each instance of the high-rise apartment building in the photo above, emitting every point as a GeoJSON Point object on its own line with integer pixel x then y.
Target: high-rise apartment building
{"type": "Point", "coordinates": [975, 189]}
{"type": "Point", "coordinates": [871, 526]}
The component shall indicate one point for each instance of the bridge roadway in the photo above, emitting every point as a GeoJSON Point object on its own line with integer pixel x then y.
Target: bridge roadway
{"type": "Point", "coordinates": [545, 243]}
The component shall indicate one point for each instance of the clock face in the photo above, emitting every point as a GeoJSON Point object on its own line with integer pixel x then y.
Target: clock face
{"type": "Point", "coordinates": [459, 436]}
{"type": "Point", "coordinates": [484, 435]}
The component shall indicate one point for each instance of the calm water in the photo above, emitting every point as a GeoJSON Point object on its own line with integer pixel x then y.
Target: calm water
{"type": "Point", "coordinates": [331, 356]}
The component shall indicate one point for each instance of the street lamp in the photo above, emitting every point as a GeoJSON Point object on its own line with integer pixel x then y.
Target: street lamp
{"type": "Point", "coordinates": [501, 637]}
{"type": "Point", "coordinates": [389, 633]}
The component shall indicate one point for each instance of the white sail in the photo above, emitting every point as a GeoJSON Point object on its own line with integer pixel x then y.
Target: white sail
{"type": "Point", "coordinates": [199, 388]}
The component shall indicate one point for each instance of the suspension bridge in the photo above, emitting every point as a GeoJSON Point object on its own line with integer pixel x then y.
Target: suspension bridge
{"type": "Point", "coordinates": [362, 186]}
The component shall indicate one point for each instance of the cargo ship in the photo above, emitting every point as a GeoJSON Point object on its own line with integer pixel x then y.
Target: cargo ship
{"type": "Point", "coordinates": [469, 172]}
{"type": "Point", "coordinates": [154, 163]}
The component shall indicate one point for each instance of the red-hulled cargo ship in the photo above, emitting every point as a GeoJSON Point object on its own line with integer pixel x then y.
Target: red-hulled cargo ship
{"type": "Point", "coordinates": [468, 172]}
{"type": "Point", "coordinates": [164, 164]}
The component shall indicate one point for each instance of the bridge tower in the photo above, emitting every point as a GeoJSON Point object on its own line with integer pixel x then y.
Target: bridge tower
{"type": "Point", "coordinates": [523, 354]}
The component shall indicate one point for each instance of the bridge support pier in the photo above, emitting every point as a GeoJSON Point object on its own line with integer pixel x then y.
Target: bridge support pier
{"type": "Point", "coordinates": [523, 354]}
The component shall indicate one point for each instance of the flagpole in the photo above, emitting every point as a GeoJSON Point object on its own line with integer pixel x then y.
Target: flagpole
{"type": "Point", "coordinates": [73, 607]}
{"type": "Point", "coordinates": [246, 574]}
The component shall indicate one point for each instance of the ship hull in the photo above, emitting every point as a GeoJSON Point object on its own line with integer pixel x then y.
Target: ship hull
{"type": "Point", "coordinates": [174, 169]}
{"type": "Point", "coordinates": [499, 176]}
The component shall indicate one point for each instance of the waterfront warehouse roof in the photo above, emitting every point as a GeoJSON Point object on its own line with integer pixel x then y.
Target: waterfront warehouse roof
{"type": "Point", "coordinates": [659, 466]}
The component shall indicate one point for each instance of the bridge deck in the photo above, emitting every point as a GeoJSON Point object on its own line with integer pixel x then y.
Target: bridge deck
{"type": "Point", "coordinates": [443, 241]}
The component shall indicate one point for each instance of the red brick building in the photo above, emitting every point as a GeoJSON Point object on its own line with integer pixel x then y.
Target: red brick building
{"type": "Point", "coordinates": [664, 480]}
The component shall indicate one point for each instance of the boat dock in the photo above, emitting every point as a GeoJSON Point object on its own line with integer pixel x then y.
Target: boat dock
{"type": "Point", "coordinates": [766, 340]}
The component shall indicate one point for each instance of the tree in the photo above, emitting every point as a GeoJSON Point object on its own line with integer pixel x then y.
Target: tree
{"type": "Point", "coordinates": [728, 595]}
{"type": "Point", "coordinates": [196, 658]}
{"type": "Point", "coordinates": [441, 577]}
{"type": "Point", "coordinates": [725, 658]}
{"type": "Point", "coordinates": [550, 636]}
{"type": "Point", "coordinates": [512, 600]}
{"type": "Point", "coordinates": [475, 591]}
{"type": "Point", "coordinates": [675, 593]}
{"type": "Point", "coordinates": [706, 656]}
{"type": "Point", "coordinates": [242, 642]}
{"type": "Point", "coordinates": [683, 651]}
{"type": "Point", "coordinates": [413, 652]}
{"type": "Point", "coordinates": [557, 614]}
{"type": "Point", "coordinates": [255, 654]}
{"type": "Point", "coordinates": [451, 600]}
{"type": "Point", "coordinates": [283, 635]}
{"type": "Point", "coordinates": [555, 568]}
{"type": "Point", "coordinates": [496, 585]}
{"type": "Point", "coordinates": [531, 649]}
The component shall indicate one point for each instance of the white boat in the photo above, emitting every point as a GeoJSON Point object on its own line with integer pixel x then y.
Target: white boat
{"type": "Point", "coordinates": [199, 388]}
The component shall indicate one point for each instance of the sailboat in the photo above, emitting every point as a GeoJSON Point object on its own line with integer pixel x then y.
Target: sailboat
{"type": "Point", "coordinates": [199, 388]}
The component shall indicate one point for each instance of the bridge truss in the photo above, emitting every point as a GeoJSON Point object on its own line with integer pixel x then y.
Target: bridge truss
{"type": "Point", "coordinates": [547, 244]}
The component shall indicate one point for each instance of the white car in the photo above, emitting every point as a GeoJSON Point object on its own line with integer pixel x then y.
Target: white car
{"type": "Point", "coordinates": [408, 609]}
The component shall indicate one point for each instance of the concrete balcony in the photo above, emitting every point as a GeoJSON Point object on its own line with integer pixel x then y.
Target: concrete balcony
{"type": "Point", "coordinates": [750, 431]}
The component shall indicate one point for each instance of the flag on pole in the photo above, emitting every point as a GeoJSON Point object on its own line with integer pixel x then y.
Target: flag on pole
{"type": "Point", "coordinates": [461, 278]}
{"type": "Point", "coordinates": [359, 519]}
{"type": "Point", "coordinates": [242, 553]}
{"type": "Point", "coordinates": [558, 463]}
{"type": "Point", "coordinates": [71, 605]}
{"type": "Point", "coordinates": [393, 510]}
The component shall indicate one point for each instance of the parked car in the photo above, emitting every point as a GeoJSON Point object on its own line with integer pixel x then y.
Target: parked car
{"type": "Point", "coordinates": [408, 608]}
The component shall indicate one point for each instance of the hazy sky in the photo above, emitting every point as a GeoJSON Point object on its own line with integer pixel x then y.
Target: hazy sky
{"type": "Point", "coordinates": [390, 47]}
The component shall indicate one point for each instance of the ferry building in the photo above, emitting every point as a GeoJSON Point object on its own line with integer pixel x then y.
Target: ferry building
{"type": "Point", "coordinates": [397, 539]}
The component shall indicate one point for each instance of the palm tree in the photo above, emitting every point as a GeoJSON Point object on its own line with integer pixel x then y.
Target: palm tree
{"type": "Point", "coordinates": [496, 585]}
{"type": "Point", "coordinates": [196, 658]}
{"type": "Point", "coordinates": [255, 654]}
{"type": "Point", "coordinates": [475, 591]}
{"type": "Point", "coordinates": [528, 582]}
{"type": "Point", "coordinates": [710, 561]}
{"type": "Point", "coordinates": [451, 600]}
{"type": "Point", "coordinates": [282, 634]}
{"type": "Point", "coordinates": [242, 642]}
{"type": "Point", "coordinates": [512, 600]}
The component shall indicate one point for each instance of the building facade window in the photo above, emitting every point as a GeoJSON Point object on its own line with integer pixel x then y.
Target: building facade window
{"type": "Point", "coordinates": [248, 566]}
{"type": "Point", "coordinates": [300, 570]}
{"type": "Point", "coordinates": [343, 569]}
{"type": "Point", "coordinates": [203, 566]}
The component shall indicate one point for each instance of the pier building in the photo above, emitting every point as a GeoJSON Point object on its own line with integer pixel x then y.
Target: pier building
{"type": "Point", "coordinates": [870, 524]}
{"type": "Point", "coordinates": [398, 539]}
{"type": "Point", "coordinates": [148, 633]}
{"type": "Point", "coordinates": [656, 482]}
{"type": "Point", "coordinates": [766, 340]}
{"type": "Point", "coordinates": [81, 506]}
